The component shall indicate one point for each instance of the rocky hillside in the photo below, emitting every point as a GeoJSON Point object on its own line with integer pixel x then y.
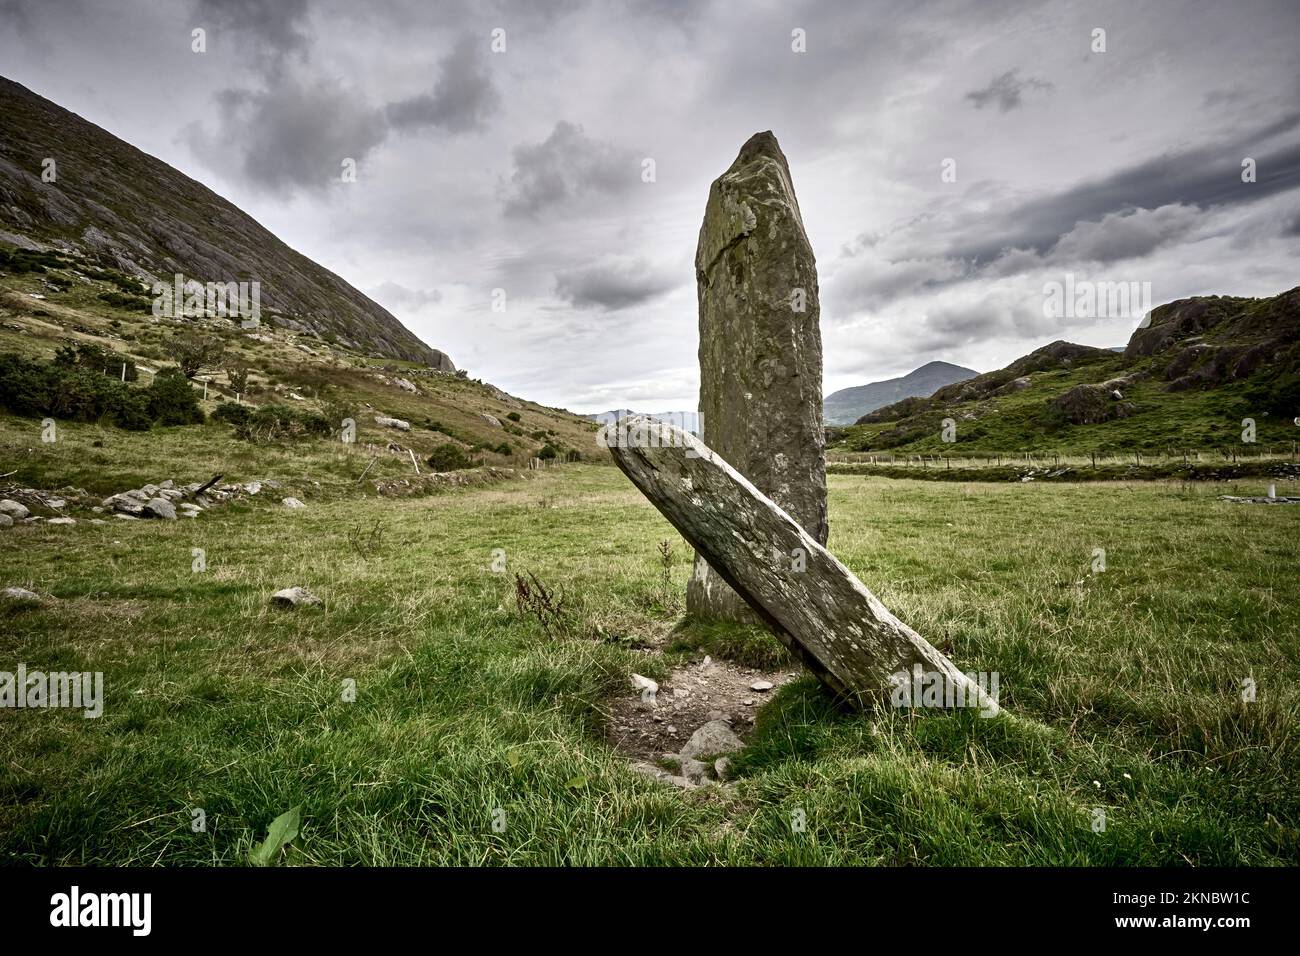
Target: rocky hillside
{"type": "Point", "coordinates": [849, 404]}
{"type": "Point", "coordinates": [57, 304]}
{"type": "Point", "coordinates": [118, 207]}
{"type": "Point", "coordinates": [1187, 380]}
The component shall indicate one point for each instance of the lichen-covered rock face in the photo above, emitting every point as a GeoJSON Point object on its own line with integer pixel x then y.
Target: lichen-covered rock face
{"type": "Point", "coordinates": [760, 350]}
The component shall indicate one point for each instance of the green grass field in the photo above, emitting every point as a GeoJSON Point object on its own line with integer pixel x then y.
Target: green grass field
{"type": "Point", "coordinates": [476, 738]}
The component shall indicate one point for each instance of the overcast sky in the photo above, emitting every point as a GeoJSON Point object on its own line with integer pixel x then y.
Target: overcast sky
{"type": "Point", "coordinates": [521, 170]}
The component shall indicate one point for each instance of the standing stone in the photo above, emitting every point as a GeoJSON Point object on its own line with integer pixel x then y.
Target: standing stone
{"type": "Point", "coordinates": [760, 351]}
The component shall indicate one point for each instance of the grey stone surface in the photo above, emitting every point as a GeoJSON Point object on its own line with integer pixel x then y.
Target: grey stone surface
{"type": "Point", "coordinates": [295, 597]}
{"type": "Point", "coordinates": [712, 740]}
{"type": "Point", "coordinates": [160, 508]}
{"type": "Point", "coordinates": [760, 350]}
{"type": "Point", "coordinates": [13, 509]}
{"type": "Point", "coordinates": [822, 613]}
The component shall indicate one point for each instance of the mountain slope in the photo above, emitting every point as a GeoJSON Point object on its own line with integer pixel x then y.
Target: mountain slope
{"type": "Point", "coordinates": [849, 404]}
{"type": "Point", "coordinates": [122, 208]}
{"type": "Point", "coordinates": [1187, 380]}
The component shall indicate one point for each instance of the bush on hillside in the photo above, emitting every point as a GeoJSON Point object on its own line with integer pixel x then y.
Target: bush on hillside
{"type": "Point", "coordinates": [173, 400]}
{"type": "Point", "coordinates": [275, 423]}
{"type": "Point", "coordinates": [73, 392]}
{"type": "Point", "coordinates": [449, 457]}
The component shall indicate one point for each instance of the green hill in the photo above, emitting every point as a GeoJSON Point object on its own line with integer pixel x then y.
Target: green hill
{"type": "Point", "coordinates": [1187, 380]}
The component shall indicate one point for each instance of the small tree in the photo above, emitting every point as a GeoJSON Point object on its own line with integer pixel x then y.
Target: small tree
{"type": "Point", "coordinates": [238, 375]}
{"type": "Point", "coordinates": [194, 352]}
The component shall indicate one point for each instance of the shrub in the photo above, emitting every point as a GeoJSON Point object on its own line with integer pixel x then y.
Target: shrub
{"type": "Point", "coordinates": [548, 451]}
{"type": "Point", "coordinates": [131, 303]}
{"type": "Point", "coordinates": [70, 392]}
{"type": "Point", "coordinates": [449, 457]}
{"type": "Point", "coordinates": [281, 423]}
{"type": "Point", "coordinates": [233, 414]}
{"type": "Point", "coordinates": [504, 449]}
{"type": "Point", "coordinates": [172, 400]}
{"type": "Point", "coordinates": [513, 416]}
{"type": "Point", "coordinates": [193, 352]}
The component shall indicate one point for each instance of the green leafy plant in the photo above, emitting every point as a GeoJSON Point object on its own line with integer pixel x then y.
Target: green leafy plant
{"type": "Point", "coordinates": [283, 831]}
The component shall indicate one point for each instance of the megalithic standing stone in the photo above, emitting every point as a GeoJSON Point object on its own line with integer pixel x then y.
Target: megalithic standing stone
{"type": "Point", "coordinates": [760, 352]}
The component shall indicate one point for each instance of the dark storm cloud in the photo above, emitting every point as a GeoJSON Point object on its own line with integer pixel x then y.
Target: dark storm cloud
{"type": "Point", "coordinates": [613, 284]}
{"type": "Point", "coordinates": [564, 166]}
{"type": "Point", "coordinates": [1006, 91]}
{"type": "Point", "coordinates": [284, 146]}
{"type": "Point", "coordinates": [280, 142]}
{"type": "Point", "coordinates": [273, 28]}
{"type": "Point", "coordinates": [1201, 177]}
{"type": "Point", "coordinates": [461, 100]}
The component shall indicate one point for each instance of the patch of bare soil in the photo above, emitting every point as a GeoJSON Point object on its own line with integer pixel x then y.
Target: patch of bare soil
{"type": "Point", "coordinates": [654, 727]}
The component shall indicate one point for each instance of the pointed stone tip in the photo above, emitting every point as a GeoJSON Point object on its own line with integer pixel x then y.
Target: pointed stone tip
{"type": "Point", "coordinates": [761, 144]}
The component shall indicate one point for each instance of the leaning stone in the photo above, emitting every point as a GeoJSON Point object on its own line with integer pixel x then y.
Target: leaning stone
{"type": "Point", "coordinates": [820, 611]}
{"type": "Point", "coordinates": [292, 503]}
{"type": "Point", "coordinates": [295, 597]}
{"type": "Point", "coordinates": [760, 350]}
{"type": "Point", "coordinates": [160, 508]}
{"type": "Point", "coordinates": [13, 509]}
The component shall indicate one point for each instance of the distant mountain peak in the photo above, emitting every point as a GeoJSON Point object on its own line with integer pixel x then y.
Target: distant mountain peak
{"type": "Point", "coordinates": [849, 404]}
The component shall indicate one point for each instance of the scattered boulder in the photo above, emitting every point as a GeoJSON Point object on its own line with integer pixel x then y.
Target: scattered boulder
{"type": "Point", "coordinates": [392, 423]}
{"type": "Point", "coordinates": [160, 508]}
{"type": "Point", "coordinates": [761, 685]}
{"type": "Point", "coordinates": [13, 509]}
{"type": "Point", "coordinates": [295, 597]}
{"type": "Point", "coordinates": [292, 503]}
{"type": "Point", "coordinates": [712, 740]}
{"type": "Point", "coordinates": [490, 419]}
{"type": "Point", "coordinates": [20, 595]}
{"type": "Point", "coordinates": [5, 520]}
{"type": "Point", "coordinates": [405, 385]}
{"type": "Point", "coordinates": [62, 521]}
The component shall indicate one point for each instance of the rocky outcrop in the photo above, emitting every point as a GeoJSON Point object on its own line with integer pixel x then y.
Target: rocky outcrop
{"type": "Point", "coordinates": [760, 349]}
{"type": "Point", "coordinates": [1092, 404]}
